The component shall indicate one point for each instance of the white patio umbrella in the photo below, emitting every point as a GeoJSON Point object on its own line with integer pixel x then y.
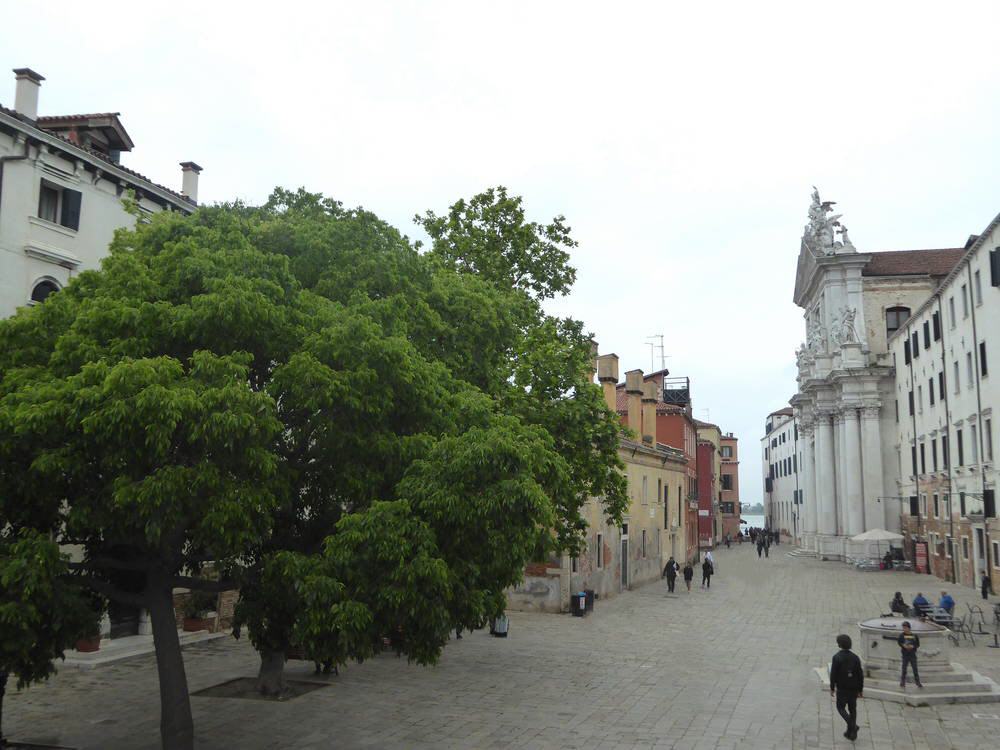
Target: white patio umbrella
{"type": "Point", "coordinates": [878, 536]}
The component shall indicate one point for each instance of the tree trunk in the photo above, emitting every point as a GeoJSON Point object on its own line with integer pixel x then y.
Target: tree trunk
{"type": "Point", "coordinates": [176, 724]}
{"type": "Point", "coordinates": [271, 678]}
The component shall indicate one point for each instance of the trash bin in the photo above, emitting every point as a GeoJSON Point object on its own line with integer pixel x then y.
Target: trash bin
{"type": "Point", "coordinates": [578, 604]}
{"type": "Point", "coordinates": [590, 599]}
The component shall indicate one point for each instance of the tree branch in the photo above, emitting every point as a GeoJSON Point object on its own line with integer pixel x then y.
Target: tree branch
{"type": "Point", "coordinates": [202, 584]}
{"type": "Point", "coordinates": [110, 563]}
{"type": "Point", "coordinates": [113, 592]}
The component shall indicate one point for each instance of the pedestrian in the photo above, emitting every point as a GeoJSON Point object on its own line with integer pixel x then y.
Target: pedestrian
{"type": "Point", "coordinates": [688, 574]}
{"type": "Point", "coordinates": [767, 547]}
{"type": "Point", "coordinates": [847, 683]}
{"type": "Point", "coordinates": [760, 548]}
{"type": "Point", "coordinates": [706, 574]}
{"type": "Point", "coordinates": [670, 573]}
{"type": "Point", "coordinates": [727, 541]}
{"type": "Point", "coordinates": [984, 586]}
{"type": "Point", "coordinates": [909, 642]}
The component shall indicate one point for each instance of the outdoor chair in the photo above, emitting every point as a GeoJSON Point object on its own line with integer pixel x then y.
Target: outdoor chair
{"type": "Point", "coordinates": [976, 613]}
{"type": "Point", "coordinates": [963, 626]}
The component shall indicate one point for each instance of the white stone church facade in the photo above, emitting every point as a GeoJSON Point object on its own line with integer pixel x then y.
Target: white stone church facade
{"type": "Point", "coordinates": [846, 401]}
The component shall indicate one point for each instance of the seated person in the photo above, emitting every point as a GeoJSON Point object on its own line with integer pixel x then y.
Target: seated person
{"type": "Point", "coordinates": [947, 603]}
{"type": "Point", "coordinates": [920, 604]}
{"type": "Point", "coordinates": [898, 606]}
{"type": "Point", "coordinates": [887, 561]}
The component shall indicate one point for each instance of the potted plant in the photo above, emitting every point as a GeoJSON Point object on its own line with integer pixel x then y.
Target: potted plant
{"type": "Point", "coordinates": [196, 610]}
{"type": "Point", "coordinates": [90, 642]}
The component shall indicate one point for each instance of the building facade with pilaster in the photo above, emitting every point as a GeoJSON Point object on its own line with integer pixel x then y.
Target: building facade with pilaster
{"type": "Point", "coordinates": [852, 304]}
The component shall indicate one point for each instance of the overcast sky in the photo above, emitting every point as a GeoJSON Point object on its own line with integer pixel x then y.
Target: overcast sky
{"type": "Point", "coordinates": [681, 142]}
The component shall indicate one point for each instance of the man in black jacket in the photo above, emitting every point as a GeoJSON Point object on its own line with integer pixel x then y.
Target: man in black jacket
{"type": "Point", "coordinates": [909, 642]}
{"type": "Point", "coordinates": [847, 681]}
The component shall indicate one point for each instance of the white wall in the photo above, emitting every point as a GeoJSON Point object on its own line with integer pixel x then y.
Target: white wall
{"type": "Point", "coordinates": [779, 504]}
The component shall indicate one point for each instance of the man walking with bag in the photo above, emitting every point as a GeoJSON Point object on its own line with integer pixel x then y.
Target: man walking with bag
{"type": "Point", "coordinates": [670, 572]}
{"type": "Point", "coordinates": [847, 683]}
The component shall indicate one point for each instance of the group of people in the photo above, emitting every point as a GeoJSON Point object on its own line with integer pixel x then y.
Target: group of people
{"type": "Point", "coordinates": [920, 605]}
{"type": "Point", "coordinates": [672, 568]}
{"type": "Point", "coordinates": [847, 678]}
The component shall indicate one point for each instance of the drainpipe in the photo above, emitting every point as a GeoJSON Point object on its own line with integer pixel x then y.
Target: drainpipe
{"type": "Point", "coordinates": [947, 421]}
{"type": "Point", "coordinates": [979, 425]}
{"type": "Point", "coordinates": [5, 159]}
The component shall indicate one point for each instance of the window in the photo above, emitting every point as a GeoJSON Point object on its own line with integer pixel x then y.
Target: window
{"type": "Point", "coordinates": [995, 276]}
{"type": "Point", "coordinates": [600, 551]}
{"type": "Point", "coordinates": [988, 440]}
{"type": "Point", "coordinates": [666, 506]}
{"type": "Point", "coordinates": [945, 451]}
{"type": "Point", "coordinates": [59, 205]}
{"type": "Point", "coordinates": [645, 483]}
{"type": "Point", "coordinates": [43, 289]}
{"type": "Point", "coordinates": [897, 410]}
{"type": "Point", "coordinates": [961, 504]}
{"type": "Point", "coordinates": [941, 384]}
{"type": "Point", "coordinates": [977, 287]}
{"type": "Point", "coordinates": [961, 447]}
{"type": "Point", "coordinates": [727, 451]}
{"type": "Point", "coordinates": [934, 457]}
{"type": "Point", "coordinates": [727, 481]}
{"type": "Point", "coordinates": [956, 377]}
{"type": "Point", "coordinates": [894, 319]}
{"type": "Point", "coordinates": [973, 446]}
{"type": "Point", "coordinates": [930, 391]}
{"type": "Point", "coordinates": [923, 460]}
{"type": "Point", "coordinates": [659, 489]}
{"type": "Point", "coordinates": [795, 463]}
{"type": "Point", "coordinates": [915, 345]}
{"type": "Point", "coordinates": [913, 459]}
{"type": "Point", "coordinates": [937, 507]}
{"type": "Point", "coordinates": [951, 310]}
{"type": "Point", "coordinates": [965, 547]}
{"type": "Point", "coordinates": [983, 371]}
{"type": "Point", "coordinates": [910, 397]}
{"type": "Point", "coordinates": [906, 352]}
{"type": "Point", "coordinates": [643, 544]}
{"type": "Point", "coordinates": [573, 559]}
{"type": "Point", "coordinates": [996, 551]}
{"type": "Point", "coordinates": [965, 301]}
{"type": "Point", "coordinates": [927, 334]}
{"type": "Point", "coordinates": [920, 399]}
{"type": "Point", "coordinates": [936, 325]}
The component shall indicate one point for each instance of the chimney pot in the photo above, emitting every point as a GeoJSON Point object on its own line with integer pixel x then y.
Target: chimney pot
{"type": "Point", "coordinates": [649, 399]}
{"type": "Point", "coordinates": [633, 389]}
{"type": "Point", "coordinates": [607, 374]}
{"type": "Point", "coordinates": [189, 180]}
{"type": "Point", "coordinates": [26, 93]}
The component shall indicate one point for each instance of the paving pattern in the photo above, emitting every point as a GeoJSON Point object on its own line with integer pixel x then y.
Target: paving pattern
{"type": "Point", "coordinates": [725, 668]}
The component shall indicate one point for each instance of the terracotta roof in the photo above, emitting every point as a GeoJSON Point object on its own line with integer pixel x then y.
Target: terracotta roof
{"type": "Point", "coordinates": [786, 412]}
{"type": "Point", "coordinates": [61, 118]}
{"type": "Point", "coordinates": [98, 155]}
{"type": "Point", "coordinates": [937, 262]}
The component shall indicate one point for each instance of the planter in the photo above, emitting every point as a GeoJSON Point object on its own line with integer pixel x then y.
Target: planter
{"type": "Point", "coordinates": [88, 645]}
{"type": "Point", "coordinates": [194, 624]}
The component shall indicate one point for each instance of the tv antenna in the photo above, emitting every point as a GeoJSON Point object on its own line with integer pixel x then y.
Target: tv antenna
{"type": "Point", "coordinates": [653, 346]}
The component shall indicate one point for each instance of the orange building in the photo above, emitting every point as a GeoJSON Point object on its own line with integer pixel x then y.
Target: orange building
{"type": "Point", "coordinates": [729, 485]}
{"type": "Point", "coordinates": [676, 428]}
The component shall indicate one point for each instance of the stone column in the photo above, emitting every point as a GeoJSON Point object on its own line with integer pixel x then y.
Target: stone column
{"type": "Point", "coordinates": [871, 447]}
{"type": "Point", "coordinates": [826, 501]}
{"type": "Point", "coordinates": [854, 500]}
{"type": "Point", "coordinates": [808, 508]}
{"type": "Point", "coordinates": [840, 444]}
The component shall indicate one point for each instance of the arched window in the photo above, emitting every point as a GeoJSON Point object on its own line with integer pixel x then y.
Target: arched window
{"type": "Point", "coordinates": [894, 319]}
{"type": "Point", "coordinates": [43, 289]}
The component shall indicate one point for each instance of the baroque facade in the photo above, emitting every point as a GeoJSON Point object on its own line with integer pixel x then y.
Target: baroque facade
{"type": "Point", "coordinates": [845, 404]}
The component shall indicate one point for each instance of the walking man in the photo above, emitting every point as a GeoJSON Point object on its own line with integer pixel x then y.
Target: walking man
{"type": "Point", "coordinates": [847, 682]}
{"type": "Point", "coordinates": [670, 571]}
{"type": "Point", "coordinates": [984, 586]}
{"type": "Point", "coordinates": [688, 574]}
{"type": "Point", "coordinates": [706, 574]}
{"type": "Point", "coordinates": [909, 642]}
{"type": "Point", "coordinates": [760, 548]}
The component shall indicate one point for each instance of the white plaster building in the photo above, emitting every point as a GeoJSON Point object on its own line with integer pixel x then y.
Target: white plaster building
{"type": "Point", "coordinates": [781, 458]}
{"type": "Point", "coordinates": [845, 405]}
{"type": "Point", "coordinates": [61, 185]}
{"type": "Point", "coordinates": [944, 437]}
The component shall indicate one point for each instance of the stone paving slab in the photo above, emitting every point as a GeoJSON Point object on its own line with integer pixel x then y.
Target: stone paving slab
{"type": "Point", "coordinates": [727, 668]}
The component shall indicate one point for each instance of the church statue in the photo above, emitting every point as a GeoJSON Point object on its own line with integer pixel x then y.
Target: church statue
{"type": "Point", "coordinates": [848, 333]}
{"type": "Point", "coordinates": [819, 232]}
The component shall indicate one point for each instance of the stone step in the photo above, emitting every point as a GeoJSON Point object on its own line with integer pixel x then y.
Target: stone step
{"type": "Point", "coordinates": [928, 678]}
{"type": "Point", "coordinates": [927, 698]}
{"type": "Point", "coordinates": [931, 687]}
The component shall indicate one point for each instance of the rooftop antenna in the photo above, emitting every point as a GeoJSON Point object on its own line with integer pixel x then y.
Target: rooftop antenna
{"type": "Point", "coordinates": [652, 351]}
{"type": "Point", "coordinates": [708, 415]}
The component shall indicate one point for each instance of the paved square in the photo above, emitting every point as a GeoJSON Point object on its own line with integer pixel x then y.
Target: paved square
{"type": "Point", "coordinates": [728, 668]}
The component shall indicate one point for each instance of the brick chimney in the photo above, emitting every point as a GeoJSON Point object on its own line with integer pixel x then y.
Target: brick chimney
{"type": "Point", "coordinates": [189, 180]}
{"type": "Point", "coordinates": [649, 399]}
{"type": "Point", "coordinates": [633, 390]}
{"type": "Point", "coordinates": [607, 374]}
{"type": "Point", "coordinates": [26, 94]}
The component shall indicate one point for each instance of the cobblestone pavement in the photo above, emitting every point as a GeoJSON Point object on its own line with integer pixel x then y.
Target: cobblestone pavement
{"type": "Point", "coordinates": [726, 668]}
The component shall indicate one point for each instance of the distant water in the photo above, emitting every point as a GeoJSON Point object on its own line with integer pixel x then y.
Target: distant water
{"type": "Point", "coordinates": [752, 520]}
